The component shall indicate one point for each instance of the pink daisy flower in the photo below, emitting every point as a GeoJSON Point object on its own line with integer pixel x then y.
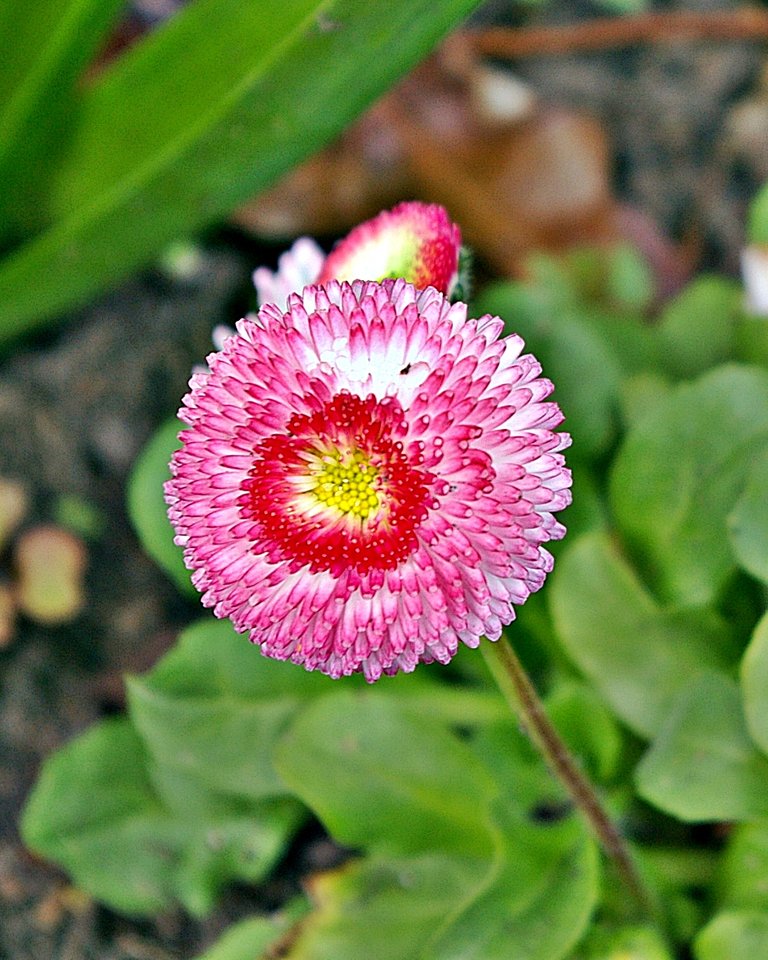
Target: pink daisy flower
{"type": "Point", "coordinates": [368, 478]}
{"type": "Point", "coordinates": [415, 241]}
{"type": "Point", "coordinates": [296, 269]}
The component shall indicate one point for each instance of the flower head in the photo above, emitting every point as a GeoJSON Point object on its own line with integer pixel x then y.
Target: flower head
{"type": "Point", "coordinates": [296, 269]}
{"type": "Point", "coordinates": [368, 478]}
{"type": "Point", "coordinates": [415, 241]}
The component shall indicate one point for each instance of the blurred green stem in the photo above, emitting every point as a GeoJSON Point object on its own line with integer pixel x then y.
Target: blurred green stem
{"type": "Point", "coordinates": [515, 684]}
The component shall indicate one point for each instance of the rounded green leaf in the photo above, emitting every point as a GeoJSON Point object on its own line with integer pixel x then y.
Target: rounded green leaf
{"type": "Point", "coordinates": [748, 521]}
{"type": "Point", "coordinates": [95, 812]}
{"type": "Point", "coordinates": [383, 908]}
{"type": "Point", "coordinates": [587, 727]}
{"type": "Point", "coordinates": [148, 510]}
{"type": "Point", "coordinates": [697, 329]}
{"type": "Point", "coordinates": [214, 707]}
{"type": "Point", "coordinates": [637, 655]}
{"type": "Point", "coordinates": [703, 765]}
{"type": "Point", "coordinates": [754, 684]}
{"type": "Point", "coordinates": [536, 910]}
{"type": "Point", "coordinates": [757, 222]}
{"type": "Point", "coordinates": [679, 473]}
{"type": "Point", "coordinates": [743, 875]}
{"type": "Point", "coordinates": [527, 896]}
{"type": "Point", "coordinates": [630, 282]}
{"type": "Point", "coordinates": [734, 935]}
{"type": "Point", "coordinates": [251, 939]}
{"type": "Point", "coordinates": [626, 943]}
{"type": "Point", "coordinates": [380, 778]}
{"type": "Point", "coordinates": [544, 883]}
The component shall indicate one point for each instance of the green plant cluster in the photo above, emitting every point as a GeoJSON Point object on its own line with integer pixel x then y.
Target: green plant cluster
{"type": "Point", "coordinates": [649, 639]}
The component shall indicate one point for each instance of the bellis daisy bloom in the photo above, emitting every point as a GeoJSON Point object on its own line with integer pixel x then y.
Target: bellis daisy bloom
{"type": "Point", "coordinates": [296, 269]}
{"type": "Point", "coordinates": [368, 478]}
{"type": "Point", "coordinates": [416, 241]}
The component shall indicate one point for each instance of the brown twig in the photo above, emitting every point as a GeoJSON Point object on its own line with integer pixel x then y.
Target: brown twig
{"type": "Point", "coordinates": [612, 33]}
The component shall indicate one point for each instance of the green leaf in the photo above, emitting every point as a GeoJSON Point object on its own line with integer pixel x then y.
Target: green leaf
{"type": "Point", "coordinates": [527, 895]}
{"type": "Point", "coordinates": [626, 943]}
{"type": "Point", "coordinates": [630, 282]}
{"type": "Point", "coordinates": [757, 222]}
{"type": "Point", "coordinates": [572, 353]}
{"type": "Point", "coordinates": [538, 898]}
{"type": "Point", "coordinates": [199, 117]}
{"type": "Point", "coordinates": [148, 510]}
{"type": "Point", "coordinates": [625, 7]}
{"type": "Point", "coordinates": [754, 684]}
{"type": "Point", "coordinates": [541, 919]}
{"type": "Point", "coordinates": [383, 908]}
{"type": "Point", "coordinates": [743, 874]}
{"type": "Point", "coordinates": [420, 787]}
{"type": "Point", "coordinates": [252, 938]}
{"type": "Point", "coordinates": [214, 707]}
{"type": "Point", "coordinates": [640, 393]}
{"type": "Point", "coordinates": [637, 654]}
{"type": "Point", "coordinates": [95, 812]}
{"type": "Point", "coordinates": [587, 727]}
{"type": "Point", "coordinates": [734, 935]}
{"type": "Point", "coordinates": [703, 766]}
{"type": "Point", "coordinates": [697, 328]}
{"type": "Point", "coordinates": [588, 511]}
{"type": "Point", "coordinates": [752, 340]}
{"type": "Point", "coordinates": [748, 521]}
{"type": "Point", "coordinates": [679, 473]}
{"type": "Point", "coordinates": [44, 51]}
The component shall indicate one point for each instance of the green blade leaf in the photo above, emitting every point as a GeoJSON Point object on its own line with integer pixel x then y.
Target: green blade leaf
{"type": "Point", "coordinates": [703, 766]}
{"type": "Point", "coordinates": [637, 654]}
{"type": "Point", "coordinates": [95, 811]}
{"type": "Point", "coordinates": [44, 51]}
{"type": "Point", "coordinates": [198, 118]}
{"type": "Point", "coordinates": [680, 472]}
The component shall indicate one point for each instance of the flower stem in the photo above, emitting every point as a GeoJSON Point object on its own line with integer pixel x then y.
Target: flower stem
{"type": "Point", "coordinates": [515, 684]}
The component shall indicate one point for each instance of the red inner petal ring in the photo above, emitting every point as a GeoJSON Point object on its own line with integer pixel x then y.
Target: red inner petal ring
{"type": "Point", "coordinates": [336, 490]}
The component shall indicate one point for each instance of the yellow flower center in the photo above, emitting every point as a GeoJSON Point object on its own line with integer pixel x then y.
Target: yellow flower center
{"type": "Point", "coordinates": [347, 484]}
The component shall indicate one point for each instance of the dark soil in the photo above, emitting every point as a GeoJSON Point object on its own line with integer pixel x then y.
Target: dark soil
{"type": "Point", "coordinates": [77, 406]}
